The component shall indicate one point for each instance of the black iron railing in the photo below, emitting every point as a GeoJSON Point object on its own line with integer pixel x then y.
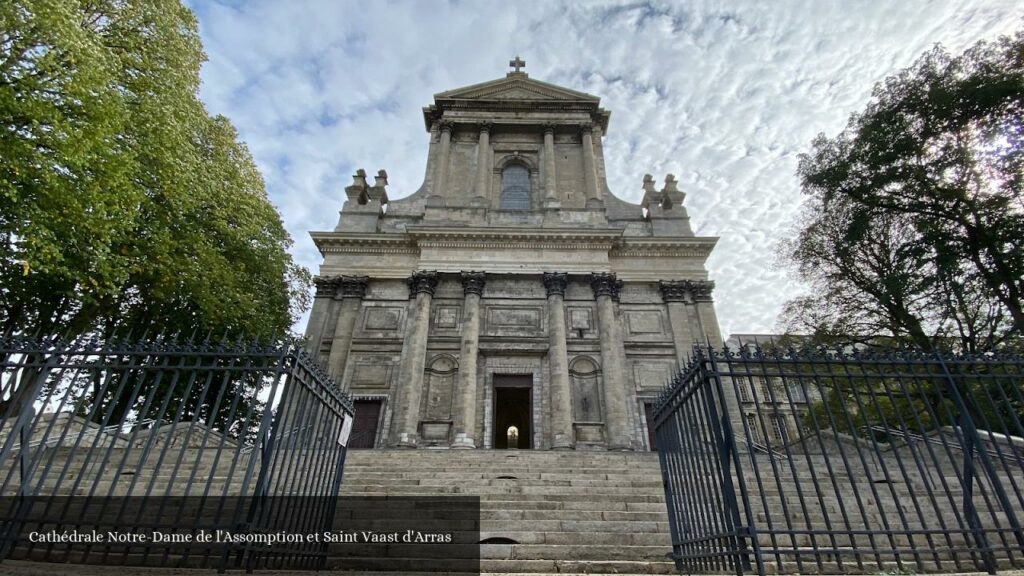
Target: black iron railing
{"type": "Point", "coordinates": [824, 462]}
{"type": "Point", "coordinates": [200, 450]}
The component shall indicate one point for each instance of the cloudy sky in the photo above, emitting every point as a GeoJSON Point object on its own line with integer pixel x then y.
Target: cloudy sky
{"type": "Point", "coordinates": [723, 95]}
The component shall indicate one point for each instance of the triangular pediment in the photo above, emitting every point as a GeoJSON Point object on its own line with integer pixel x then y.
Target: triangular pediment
{"type": "Point", "coordinates": [516, 87]}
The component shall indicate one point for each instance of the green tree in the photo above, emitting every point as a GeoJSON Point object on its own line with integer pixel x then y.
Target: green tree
{"type": "Point", "coordinates": [123, 203]}
{"type": "Point", "coordinates": [914, 224]}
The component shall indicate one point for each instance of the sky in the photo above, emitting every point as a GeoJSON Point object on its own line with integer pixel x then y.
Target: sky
{"type": "Point", "coordinates": [725, 95]}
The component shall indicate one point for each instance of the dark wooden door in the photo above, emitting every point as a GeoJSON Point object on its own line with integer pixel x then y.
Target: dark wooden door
{"type": "Point", "coordinates": [364, 429]}
{"type": "Point", "coordinates": [649, 413]}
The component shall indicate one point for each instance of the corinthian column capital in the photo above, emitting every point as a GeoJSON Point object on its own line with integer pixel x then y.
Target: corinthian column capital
{"type": "Point", "coordinates": [352, 286]}
{"type": "Point", "coordinates": [605, 284]}
{"type": "Point", "coordinates": [701, 290]}
{"type": "Point", "coordinates": [473, 283]}
{"type": "Point", "coordinates": [326, 286]}
{"type": "Point", "coordinates": [674, 290]}
{"type": "Point", "coordinates": [555, 283]}
{"type": "Point", "coordinates": [422, 281]}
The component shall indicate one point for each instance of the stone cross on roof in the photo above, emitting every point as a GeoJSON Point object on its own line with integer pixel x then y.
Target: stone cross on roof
{"type": "Point", "coordinates": [517, 63]}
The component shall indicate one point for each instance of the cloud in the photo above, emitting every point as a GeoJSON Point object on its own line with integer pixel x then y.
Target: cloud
{"type": "Point", "coordinates": [726, 98]}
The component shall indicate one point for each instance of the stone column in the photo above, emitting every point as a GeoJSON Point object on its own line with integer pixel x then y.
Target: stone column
{"type": "Point", "coordinates": [351, 290]}
{"type": "Point", "coordinates": [616, 420]}
{"type": "Point", "coordinates": [562, 435]}
{"type": "Point", "coordinates": [550, 181]}
{"type": "Point", "coordinates": [589, 165]}
{"type": "Point", "coordinates": [410, 373]}
{"type": "Point", "coordinates": [674, 294]}
{"type": "Point", "coordinates": [701, 293]}
{"type": "Point", "coordinates": [442, 160]}
{"type": "Point", "coordinates": [473, 288]}
{"type": "Point", "coordinates": [325, 289]}
{"type": "Point", "coordinates": [483, 169]}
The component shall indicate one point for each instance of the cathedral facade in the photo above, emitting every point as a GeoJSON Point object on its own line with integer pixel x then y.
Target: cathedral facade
{"type": "Point", "coordinates": [512, 301]}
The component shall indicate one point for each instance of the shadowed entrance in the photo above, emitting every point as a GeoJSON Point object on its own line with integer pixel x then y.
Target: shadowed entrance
{"type": "Point", "coordinates": [512, 403]}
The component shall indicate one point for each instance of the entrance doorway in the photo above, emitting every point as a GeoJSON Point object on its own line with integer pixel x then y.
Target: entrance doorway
{"type": "Point", "coordinates": [513, 410]}
{"type": "Point", "coordinates": [649, 415]}
{"type": "Point", "coordinates": [364, 428]}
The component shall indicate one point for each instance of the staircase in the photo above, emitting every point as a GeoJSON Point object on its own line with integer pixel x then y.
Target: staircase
{"type": "Point", "coordinates": [555, 512]}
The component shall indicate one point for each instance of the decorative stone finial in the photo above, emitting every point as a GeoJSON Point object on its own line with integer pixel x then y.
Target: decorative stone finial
{"type": "Point", "coordinates": [671, 195]}
{"type": "Point", "coordinates": [357, 191]}
{"type": "Point", "coordinates": [359, 178]}
{"type": "Point", "coordinates": [648, 183]}
{"type": "Point", "coordinates": [517, 64]}
{"type": "Point", "coordinates": [670, 183]}
{"type": "Point", "coordinates": [379, 191]}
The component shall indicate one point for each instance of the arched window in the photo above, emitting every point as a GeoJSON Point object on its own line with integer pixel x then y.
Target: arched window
{"type": "Point", "coordinates": [515, 187]}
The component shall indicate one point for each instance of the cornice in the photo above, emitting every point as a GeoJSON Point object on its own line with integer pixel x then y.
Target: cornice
{"type": "Point", "coordinates": [684, 246]}
{"type": "Point", "coordinates": [491, 237]}
{"type": "Point", "coordinates": [345, 242]}
{"type": "Point", "coordinates": [416, 238]}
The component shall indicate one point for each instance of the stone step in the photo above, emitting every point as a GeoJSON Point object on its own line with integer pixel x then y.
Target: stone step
{"type": "Point", "coordinates": [512, 496]}
{"type": "Point", "coordinates": [351, 482]}
{"type": "Point", "coordinates": [573, 552]}
{"type": "Point", "coordinates": [358, 474]}
{"type": "Point", "coordinates": [592, 538]}
{"type": "Point", "coordinates": [503, 566]}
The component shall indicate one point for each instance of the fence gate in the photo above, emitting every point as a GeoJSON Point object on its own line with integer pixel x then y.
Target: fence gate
{"type": "Point", "coordinates": [166, 453]}
{"type": "Point", "coordinates": [818, 461]}
{"type": "Point", "coordinates": [698, 456]}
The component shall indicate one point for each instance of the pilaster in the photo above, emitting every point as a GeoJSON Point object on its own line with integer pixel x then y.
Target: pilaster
{"type": "Point", "coordinates": [589, 165]}
{"type": "Point", "coordinates": [550, 181]}
{"type": "Point", "coordinates": [325, 289]}
{"type": "Point", "coordinates": [442, 161]}
{"type": "Point", "coordinates": [350, 291]}
{"type": "Point", "coordinates": [675, 294]}
{"type": "Point", "coordinates": [483, 156]}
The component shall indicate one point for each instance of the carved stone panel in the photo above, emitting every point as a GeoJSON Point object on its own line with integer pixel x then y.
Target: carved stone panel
{"type": "Point", "coordinates": [446, 317]}
{"type": "Point", "coordinates": [515, 320]}
{"type": "Point", "coordinates": [586, 390]}
{"type": "Point", "coordinates": [383, 318]}
{"type": "Point", "coordinates": [652, 374]}
{"type": "Point", "coordinates": [580, 322]}
{"type": "Point", "coordinates": [372, 373]}
{"type": "Point", "coordinates": [644, 322]}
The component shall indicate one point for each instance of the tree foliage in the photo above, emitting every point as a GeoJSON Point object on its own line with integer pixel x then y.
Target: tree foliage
{"type": "Point", "coordinates": [914, 222]}
{"type": "Point", "coordinates": [122, 201]}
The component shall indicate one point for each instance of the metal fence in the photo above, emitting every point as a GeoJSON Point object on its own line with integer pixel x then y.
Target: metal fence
{"type": "Point", "coordinates": [832, 462]}
{"type": "Point", "coordinates": [205, 450]}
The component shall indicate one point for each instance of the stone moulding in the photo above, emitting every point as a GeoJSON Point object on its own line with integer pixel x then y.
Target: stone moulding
{"type": "Point", "coordinates": [695, 247]}
{"type": "Point", "coordinates": [611, 240]}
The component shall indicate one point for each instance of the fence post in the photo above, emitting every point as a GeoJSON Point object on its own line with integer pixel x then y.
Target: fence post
{"type": "Point", "coordinates": [22, 432]}
{"type": "Point", "coordinates": [972, 443]}
{"type": "Point", "coordinates": [728, 456]}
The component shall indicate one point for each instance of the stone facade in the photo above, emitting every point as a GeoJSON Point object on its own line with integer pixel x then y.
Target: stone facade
{"type": "Point", "coordinates": [512, 276]}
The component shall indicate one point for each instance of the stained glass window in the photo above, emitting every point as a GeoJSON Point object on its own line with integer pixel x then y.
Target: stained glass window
{"type": "Point", "coordinates": [515, 188]}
